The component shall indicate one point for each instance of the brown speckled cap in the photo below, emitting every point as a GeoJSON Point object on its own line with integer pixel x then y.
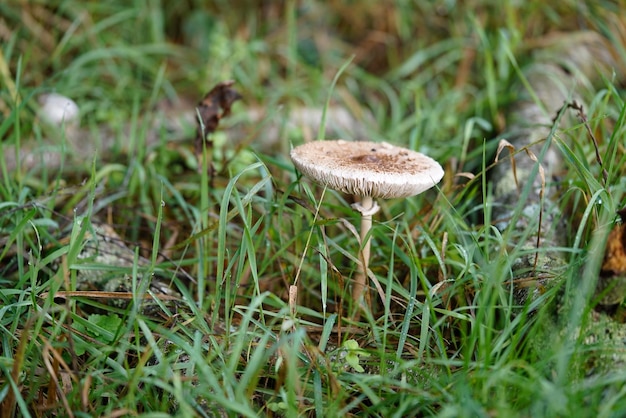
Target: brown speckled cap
{"type": "Point", "coordinates": [375, 169]}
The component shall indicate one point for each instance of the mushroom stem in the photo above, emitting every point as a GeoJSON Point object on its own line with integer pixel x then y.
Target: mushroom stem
{"type": "Point", "coordinates": [367, 207]}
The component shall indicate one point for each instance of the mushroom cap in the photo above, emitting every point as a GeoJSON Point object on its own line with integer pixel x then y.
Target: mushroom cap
{"type": "Point", "coordinates": [57, 109]}
{"type": "Point", "coordinates": [375, 169]}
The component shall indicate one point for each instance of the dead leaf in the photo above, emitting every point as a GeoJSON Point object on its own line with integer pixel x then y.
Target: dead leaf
{"type": "Point", "coordinates": [615, 254]}
{"type": "Point", "coordinates": [612, 281]}
{"type": "Point", "coordinates": [214, 106]}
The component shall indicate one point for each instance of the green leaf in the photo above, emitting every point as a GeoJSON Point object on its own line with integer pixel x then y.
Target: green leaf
{"type": "Point", "coordinates": [353, 354]}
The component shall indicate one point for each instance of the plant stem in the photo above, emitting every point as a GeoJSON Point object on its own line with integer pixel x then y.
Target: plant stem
{"type": "Point", "coordinates": [366, 208]}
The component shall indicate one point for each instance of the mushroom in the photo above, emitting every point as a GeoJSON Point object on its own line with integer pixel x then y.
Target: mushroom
{"type": "Point", "coordinates": [58, 110]}
{"type": "Point", "coordinates": [369, 170]}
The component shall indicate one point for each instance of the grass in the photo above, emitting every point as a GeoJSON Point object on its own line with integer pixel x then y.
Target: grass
{"type": "Point", "coordinates": [449, 338]}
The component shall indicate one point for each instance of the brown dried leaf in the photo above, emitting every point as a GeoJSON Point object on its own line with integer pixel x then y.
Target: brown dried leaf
{"type": "Point", "coordinates": [612, 281]}
{"type": "Point", "coordinates": [501, 146]}
{"type": "Point", "coordinates": [214, 106]}
{"type": "Point", "coordinates": [615, 254]}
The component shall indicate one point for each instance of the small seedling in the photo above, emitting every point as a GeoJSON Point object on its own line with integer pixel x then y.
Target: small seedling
{"type": "Point", "coordinates": [353, 354]}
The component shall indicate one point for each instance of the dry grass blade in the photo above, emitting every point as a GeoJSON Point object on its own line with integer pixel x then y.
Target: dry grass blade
{"type": "Point", "coordinates": [580, 111]}
{"type": "Point", "coordinates": [54, 387]}
{"type": "Point", "coordinates": [9, 402]}
{"type": "Point", "coordinates": [504, 144]}
{"type": "Point", "coordinates": [105, 295]}
{"type": "Point", "coordinates": [542, 176]}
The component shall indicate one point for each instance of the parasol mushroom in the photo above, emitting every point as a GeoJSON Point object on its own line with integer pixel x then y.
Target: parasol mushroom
{"type": "Point", "coordinates": [369, 170]}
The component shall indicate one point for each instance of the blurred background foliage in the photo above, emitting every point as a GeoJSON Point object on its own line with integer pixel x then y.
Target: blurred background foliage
{"type": "Point", "coordinates": [103, 51]}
